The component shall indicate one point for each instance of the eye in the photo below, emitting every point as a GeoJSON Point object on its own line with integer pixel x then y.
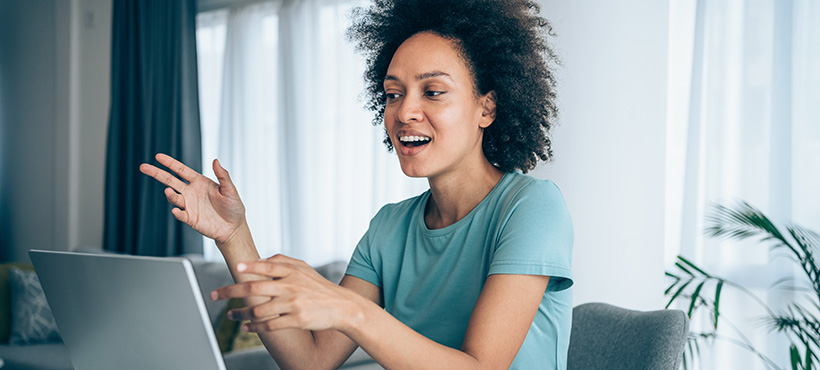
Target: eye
{"type": "Point", "coordinates": [392, 96]}
{"type": "Point", "coordinates": [432, 93]}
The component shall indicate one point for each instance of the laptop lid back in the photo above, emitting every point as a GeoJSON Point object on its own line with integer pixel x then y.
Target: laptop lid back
{"type": "Point", "coordinates": [128, 312]}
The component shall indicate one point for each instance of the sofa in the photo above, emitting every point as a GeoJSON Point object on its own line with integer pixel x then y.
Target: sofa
{"type": "Point", "coordinates": [210, 275]}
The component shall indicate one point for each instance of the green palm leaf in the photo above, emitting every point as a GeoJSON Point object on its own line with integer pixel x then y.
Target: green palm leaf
{"type": "Point", "coordinates": [677, 293]}
{"type": "Point", "coordinates": [717, 301]}
{"type": "Point", "coordinates": [795, 358]}
{"type": "Point", "coordinates": [808, 242]}
{"type": "Point", "coordinates": [743, 221]}
{"type": "Point", "coordinates": [692, 265]}
{"type": "Point", "coordinates": [695, 297]}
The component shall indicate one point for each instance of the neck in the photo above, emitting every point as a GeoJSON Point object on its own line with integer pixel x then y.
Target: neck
{"type": "Point", "coordinates": [454, 195]}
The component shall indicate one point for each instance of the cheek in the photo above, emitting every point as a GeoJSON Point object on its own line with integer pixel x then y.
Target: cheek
{"type": "Point", "coordinates": [389, 125]}
{"type": "Point", "coordinates": [387, 120]}
{"type": "Point", "coordinates": [460, 124]}
{"type": "Point", "coordinates": [389, 115]}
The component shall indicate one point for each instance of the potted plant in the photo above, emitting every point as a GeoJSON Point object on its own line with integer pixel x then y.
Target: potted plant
{"type": "Point", "coordinates": [701, 291]}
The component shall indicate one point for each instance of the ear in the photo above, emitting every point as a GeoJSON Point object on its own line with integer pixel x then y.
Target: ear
{"type": "Point", "coordinates": [488, 111]}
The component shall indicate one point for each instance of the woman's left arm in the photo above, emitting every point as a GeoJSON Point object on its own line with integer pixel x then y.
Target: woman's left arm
{"type": "Point", "coordinates": [498, 325]}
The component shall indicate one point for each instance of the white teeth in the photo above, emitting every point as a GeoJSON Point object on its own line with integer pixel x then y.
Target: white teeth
{"type": "Point", "coordinates": [407, 139]}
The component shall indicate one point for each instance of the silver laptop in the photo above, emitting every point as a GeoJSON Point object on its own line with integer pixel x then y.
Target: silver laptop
{"type": "Point", "coordinates": [127, 312]}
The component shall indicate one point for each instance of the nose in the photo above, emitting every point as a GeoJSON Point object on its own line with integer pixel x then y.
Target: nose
{"type": "Point", "coordinates": [409, 109]}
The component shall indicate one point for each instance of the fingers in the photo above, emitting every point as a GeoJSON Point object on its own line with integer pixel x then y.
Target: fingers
{"type": "Point", "coordinates": [270, 268]}
{"type": "Point", "coordinates": [162, 176]}
{"type": "Point", "coordinates": [281, 258]}
{"type": "Point", "coordinates": [222, 176]}
{"type": "Point", "coordinates": [180, 169]}
{"type": "Point", "coordinates": [277, 323]}
{"type": "Point", "coordinates": [290, 261]}
{"type": "Point", "coordinates": [180, 215]}
{"type": "Point", "coordinates": [175, 198]}
{"type": "Point", "coordinates": [257, 288]}
{"type": "Point", "coordinates": [259, 312]}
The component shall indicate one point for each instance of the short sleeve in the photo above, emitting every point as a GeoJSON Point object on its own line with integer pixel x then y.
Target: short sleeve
{"type": "Point", "coordinates": [361, 262]}
{"type": "Point", "coordinates": [536, 236]}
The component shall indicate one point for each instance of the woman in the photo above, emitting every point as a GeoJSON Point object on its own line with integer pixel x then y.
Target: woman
{"type": "Point", "coordinates": [473, 273]}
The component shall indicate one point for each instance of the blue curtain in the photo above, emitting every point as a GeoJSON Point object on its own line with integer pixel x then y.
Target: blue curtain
{"type": "Point", "coordinates": [154, 108]}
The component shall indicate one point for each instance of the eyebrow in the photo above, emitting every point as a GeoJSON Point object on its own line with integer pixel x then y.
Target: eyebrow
{"type": "Point", "coordinates": [422, 76]}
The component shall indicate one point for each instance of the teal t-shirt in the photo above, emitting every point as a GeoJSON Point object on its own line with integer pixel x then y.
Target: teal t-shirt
{"type": "Point", "coordinates": [431, 279]}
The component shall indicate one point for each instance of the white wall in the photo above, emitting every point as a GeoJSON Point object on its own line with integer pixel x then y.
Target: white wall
{"type": "Point", "coordinates": [610, 145]}
{"type": "Point", "coordinates": [90, 93]}
{"type": "Point", "coordinates": [54, 88]}
{"type": "Point", "coordinates": [28, 55]}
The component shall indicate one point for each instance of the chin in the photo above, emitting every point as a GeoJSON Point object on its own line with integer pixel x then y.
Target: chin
{"type": "Point", "coordinates": [413, 172]}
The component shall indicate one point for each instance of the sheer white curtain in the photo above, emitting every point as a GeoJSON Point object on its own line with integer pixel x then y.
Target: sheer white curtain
{"type": "Point", "coordinates": [308, 164]}
{"type": "Point", "coordinates": [744, 123]}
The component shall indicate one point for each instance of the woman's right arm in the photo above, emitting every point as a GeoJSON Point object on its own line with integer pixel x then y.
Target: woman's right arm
{"type": "Point", "coordinates": [296, 348]}
{"type": "Point", "coordinates": [216, 211]}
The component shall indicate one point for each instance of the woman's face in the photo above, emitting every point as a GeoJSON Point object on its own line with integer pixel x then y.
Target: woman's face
{"type": "Point", "coordinates": [432, 114]}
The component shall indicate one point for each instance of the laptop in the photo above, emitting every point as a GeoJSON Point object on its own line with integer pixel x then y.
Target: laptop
{"type": "Point", "coordinates": [128, 312]}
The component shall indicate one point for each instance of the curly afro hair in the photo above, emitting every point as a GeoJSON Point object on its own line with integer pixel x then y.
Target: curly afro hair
{"type": "Point", "coordinates": [504, 43]}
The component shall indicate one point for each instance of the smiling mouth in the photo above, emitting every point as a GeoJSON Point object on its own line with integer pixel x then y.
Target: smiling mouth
{"type": "Point", "coordinates": [414, 141]}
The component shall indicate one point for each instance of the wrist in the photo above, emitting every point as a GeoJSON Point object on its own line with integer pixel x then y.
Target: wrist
{"type": "Point", "coordinates": [355, 316]}
{"type": "Point", "coordinates": [239, 247]}
{"type": "Point", "coordinates": [236, 236]}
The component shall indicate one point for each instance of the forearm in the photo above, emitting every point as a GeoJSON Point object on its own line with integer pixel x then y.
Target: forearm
{"type": "Point", "coordinates": [240, 248]}
{"type": "Point", "coordinates": [287, 347]}
{"type": "Point", "coordinates": [396, 346]}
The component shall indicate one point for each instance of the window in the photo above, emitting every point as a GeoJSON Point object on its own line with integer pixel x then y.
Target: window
{"type": "Point", "coordinates": [740, 127]}
{"type": "Point", "coordinates": [279, 95]}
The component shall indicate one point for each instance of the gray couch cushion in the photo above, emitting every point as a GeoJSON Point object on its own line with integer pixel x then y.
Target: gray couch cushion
{"type": "Point", "coordinates": [52, 356]}
{"type": "Point", "coordinates": [31, 318]}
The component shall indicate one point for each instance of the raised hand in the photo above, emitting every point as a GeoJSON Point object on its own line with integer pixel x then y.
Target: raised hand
{"type": "Point", "coordinates": [213, 209]}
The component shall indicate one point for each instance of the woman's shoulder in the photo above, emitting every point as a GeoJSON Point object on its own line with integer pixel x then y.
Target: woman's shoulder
{"type": "Point", "coordinates": [525, 187]}
{"type": "Point", "coordinates": [527, 198]}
